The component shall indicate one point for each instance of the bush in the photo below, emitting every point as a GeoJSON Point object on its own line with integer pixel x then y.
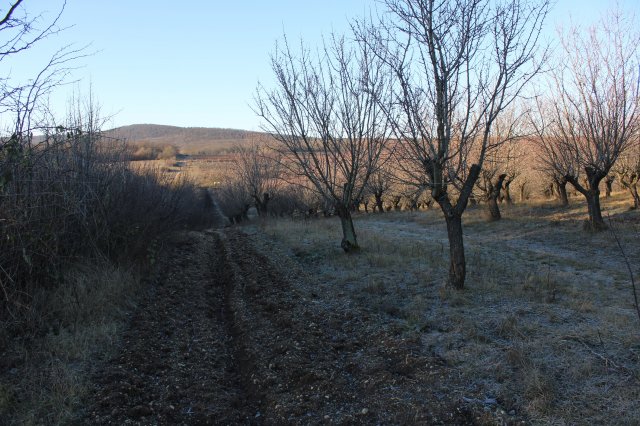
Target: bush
{"type": "Point", "coordinates": [72, 195]}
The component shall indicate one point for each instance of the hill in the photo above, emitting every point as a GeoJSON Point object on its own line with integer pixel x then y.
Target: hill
{"type": "Point", "coordinates": [189, 140]}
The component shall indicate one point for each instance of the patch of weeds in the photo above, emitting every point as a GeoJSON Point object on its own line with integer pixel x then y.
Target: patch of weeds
{"type": "Point", "coordinates": [543, 285]}
{"type": "Point", "coordinates": [508, 327]}
{"type": "Point", "coordinates": [7, 398]}
{"type": "Point", "coordinates": [537, 384]}
{"type": "Point", "coordinates": [375, 286]}
{"type": "Point", "coordinates": [539, 389]}
{"type": "Point", "coordinates": [477, 334]}
{"type": "Point", "coordinates": [583, 305]}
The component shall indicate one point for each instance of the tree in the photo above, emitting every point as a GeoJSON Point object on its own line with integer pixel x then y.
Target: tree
{"type": "Point", "coordinates": [627, 170]}
{"type": "Point", "coordinates": [257, 169]}
{"type": "Point", "coordinates": [594, 99]}
{"type": "Point", "coordinates": [500, 167]}
{"type": "Point", "coordinates": [553, 159]}
{"type": "Point", "coordinates": [325, 115]}
{"type": "Point", "coordinates": [457, 65]}
{"type": "Point", "coordinates": [379, 184]}
{"type": "Point", "coordinates": [20, 31]}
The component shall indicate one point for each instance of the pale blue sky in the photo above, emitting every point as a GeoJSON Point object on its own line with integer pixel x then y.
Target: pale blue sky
{"type": "Point", "coordinates": [197, 63]}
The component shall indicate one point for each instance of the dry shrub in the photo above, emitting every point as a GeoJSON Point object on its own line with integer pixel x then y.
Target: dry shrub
{"type": "Point", "coordinates": [47, 376]}
{"type": "Point", "coordinates": [72, 196]}
{"type": "Point", "coordinates": [146, 152]}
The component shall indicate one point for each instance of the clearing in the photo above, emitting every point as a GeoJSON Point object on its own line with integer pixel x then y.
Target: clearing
{"type": "Point", "coordinates": [270, 323]}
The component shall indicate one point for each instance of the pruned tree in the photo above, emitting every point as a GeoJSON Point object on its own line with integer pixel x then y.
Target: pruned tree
{"type": "Point", "coordinates": [326, 116]}
{"type": "Point", "coordinates": [257, 168]}
{"type": "Point", "coordinates": [500, 167]}
{"type": "Point", "coordinates": [627, 169]}
{"type": "Point", "coordinates": [457, 64]}
{"type": "Point", "coordinates": [379, 185]}
{"type": "Point", "coordinates": [490, 183]}
{"type": "Point", "coordinates": [594, 98]}
{"type": "Point", "coordinates": [552, 158]}
{"type": "Point", "coordinates": [608, 184]}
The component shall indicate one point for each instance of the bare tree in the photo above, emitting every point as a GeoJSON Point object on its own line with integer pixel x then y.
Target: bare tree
{"type": "Point", "coordinates": [500, 168]}
{"type": "Point", "coordinates": [325, 114]}
{"type": "Point", "coordinates": [627, 170]}
{"type": "Point", "coordinates": [490, 183]}
{"type": "Point", "coordinates": [553, 159]}
{"type": "Point", "coordinates": [457, 65]}
{"type": "Point", "coordinates": [257, 168]}
{"type": "Point", "coordinates": [379, 185]}
{"type": "Point", "coordinates": [19, 32]}
{"type": "Point", "coordinates": [595, 102]}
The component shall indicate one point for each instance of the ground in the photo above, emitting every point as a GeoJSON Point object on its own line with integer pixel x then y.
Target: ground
{"type": "Point", "coordinates": [226, 336]}
{"type": "Point", "coordinates": [271, 323]}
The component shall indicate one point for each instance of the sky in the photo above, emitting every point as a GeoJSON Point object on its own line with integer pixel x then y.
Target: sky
{"type": "Point", "coordinates": [198, 63]}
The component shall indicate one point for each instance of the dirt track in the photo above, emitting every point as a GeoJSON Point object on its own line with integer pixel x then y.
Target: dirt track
{"type": "Point", "coordinates": [227, 336]}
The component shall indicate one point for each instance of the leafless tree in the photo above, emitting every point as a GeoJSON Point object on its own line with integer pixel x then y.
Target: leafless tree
{"type": "Point", "coordinates": [257, 168]}
{"type": "Point", "coordinates": [500, 167]}
{"type": "Point", "coordinates": [627, 169]}
{"type": "Point", "coordinates": [490, 183]}
{"type": "Point", "coordinates": [378, 186]}
{"type": "Point", "coordinates": [457, 65]}
{"type": "Point", "coordinates": [553, 159]}
{"type": "Point", "coordinates": [594, 97]}
{"type": "Point", "coordinates": [325, 114]}
{"type": "Point", "coordinates": [19, 32]}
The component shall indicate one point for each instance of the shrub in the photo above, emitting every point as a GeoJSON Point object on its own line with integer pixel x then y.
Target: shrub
{"type": "Point", "coordinates": [71, 194]}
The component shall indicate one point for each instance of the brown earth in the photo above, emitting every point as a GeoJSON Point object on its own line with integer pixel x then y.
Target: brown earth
{"type": "Point", "coordinates": [228, 334]}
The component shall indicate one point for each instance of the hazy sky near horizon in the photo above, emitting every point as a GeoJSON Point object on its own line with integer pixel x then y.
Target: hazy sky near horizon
{"type": "Point", "coordinates": [198, 63]}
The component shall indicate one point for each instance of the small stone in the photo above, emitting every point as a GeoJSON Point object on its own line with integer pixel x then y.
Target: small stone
{"type": "Point", "coordinates": [364, 411]}
{"type": "Point", "coordinates": [512, 412]}
{"type": "Point", "coordinates": [139, 411]}
{"type": "Point", "coordinates": [326, 417]}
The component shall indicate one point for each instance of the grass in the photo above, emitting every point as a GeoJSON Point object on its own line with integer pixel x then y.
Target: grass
{"type": "Point", "coordinates": [546, 323]}
{"type": "Point", "coordinates": [47, 375]}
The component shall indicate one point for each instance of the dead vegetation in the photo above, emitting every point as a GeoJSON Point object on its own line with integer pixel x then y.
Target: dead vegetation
{"type": "Point", "coordinates": [546, 327]}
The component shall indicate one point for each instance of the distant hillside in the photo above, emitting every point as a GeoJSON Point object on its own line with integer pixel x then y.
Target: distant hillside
{"type": "Point", "coordinates": [189, 140]}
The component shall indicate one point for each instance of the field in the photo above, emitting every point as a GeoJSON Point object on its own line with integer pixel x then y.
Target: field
{"type": "Point", "coordinates": [546, 328]}
{"type": "Point", "coordinates": [270, 322]}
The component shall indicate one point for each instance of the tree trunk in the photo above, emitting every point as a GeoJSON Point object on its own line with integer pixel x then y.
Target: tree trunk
{"type": "Point", "coordinates": [262, 204]}
{"type": "Point", "coordinates": [492, 198]}
{"type": "Point", "coordinates": [457, 268]}
{"type": "Point", "coordinates": [592, 195]}
{"type": "Point", "coordinates": [349, 242]}
{"type": "Point", "coordinates": [608, 184]}
{"type": "Point", "coordinates": [595, 223]}
{"type": "Point", "coordinates": [634, 193]}
{"type": "Point", "coordinates": [396, 203]}
{"type": "Point", "coordinates": [523, 189]}
{"type": "Point", "coordinates": [379, 202]}
{"type": "Point", "coordinates": [507, 192]}
{"type": "Point", "coordinates": [561, 189]}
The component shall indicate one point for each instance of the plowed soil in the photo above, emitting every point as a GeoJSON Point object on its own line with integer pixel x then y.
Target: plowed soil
{"type": "Point", "coordinates": [229, 335]}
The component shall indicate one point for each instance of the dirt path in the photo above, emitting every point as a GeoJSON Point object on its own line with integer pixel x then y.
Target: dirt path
{"type": "Point", "coordinates": [225, 337]}
{"type": "Point", "coordinates": [177, 363]}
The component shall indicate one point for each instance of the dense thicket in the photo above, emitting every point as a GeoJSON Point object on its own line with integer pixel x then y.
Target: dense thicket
{"type": "Point", "coordinates": [72, 196]}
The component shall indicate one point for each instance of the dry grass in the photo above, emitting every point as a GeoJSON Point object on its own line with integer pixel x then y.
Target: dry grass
{"type": "Point", "coordinates": [44, 377]}
{"type": "Point", "coordinates": [546, 324]}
